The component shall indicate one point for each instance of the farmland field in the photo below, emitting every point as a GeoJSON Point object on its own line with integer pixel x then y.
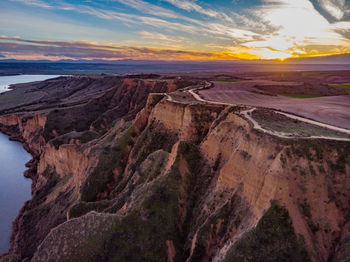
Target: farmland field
{"type": "Point", "coordinates": [324, 98]}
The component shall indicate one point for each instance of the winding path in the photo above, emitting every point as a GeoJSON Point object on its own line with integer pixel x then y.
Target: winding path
{"type": "Point", "coordinates": [257, 126]}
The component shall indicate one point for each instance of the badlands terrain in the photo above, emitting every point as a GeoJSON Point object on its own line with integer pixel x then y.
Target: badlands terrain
{"type": "Point", "coordinates": [193, 167]}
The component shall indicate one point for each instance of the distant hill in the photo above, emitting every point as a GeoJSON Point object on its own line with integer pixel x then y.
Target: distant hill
{"type": "Point", "coordinates": [98, 67]}
{"type": "Point", "coordinates": [332, 59]}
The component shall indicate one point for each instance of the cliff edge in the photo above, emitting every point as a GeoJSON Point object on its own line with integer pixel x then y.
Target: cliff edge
{"type": "Point", "coordinates": [136, 169]}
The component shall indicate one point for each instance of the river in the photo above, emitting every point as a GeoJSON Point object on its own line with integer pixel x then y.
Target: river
{"type": "Point", "coordinates": [15, 189]}
{"type": "Point", "coordinates": [5, 81]}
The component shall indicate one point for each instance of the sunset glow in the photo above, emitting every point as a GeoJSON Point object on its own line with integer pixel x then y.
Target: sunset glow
{"type": "Point", "coordinates": [173, 29]}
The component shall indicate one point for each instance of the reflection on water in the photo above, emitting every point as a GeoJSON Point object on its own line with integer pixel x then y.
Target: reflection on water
{"type": "Point", "coordinates": [14, 187]}
{"type": "Point", "coordinates": [5, 81]}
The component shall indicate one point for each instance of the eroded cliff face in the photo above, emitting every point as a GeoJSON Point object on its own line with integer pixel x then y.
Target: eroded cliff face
{"type": "Point", "coordinates": [56, 174]}
{"type": "Point", "coordinates": [27, 130]}
{"type": "Point", "coordinates": [181, 182]}
{"type": "Point", "coordinates": [64, 152]}
{"type": "Point", "coordinates": [310, 178]}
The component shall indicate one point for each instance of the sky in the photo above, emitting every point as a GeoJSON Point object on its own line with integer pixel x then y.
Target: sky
{"type": "Point", "coordinates": [173, 29]}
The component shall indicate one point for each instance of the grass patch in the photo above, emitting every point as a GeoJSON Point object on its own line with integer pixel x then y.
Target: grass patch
{"type": "Point", "coordinates": [272, 240]}
{"type": "Point", "coordinates": [142, 235]}
{"type": "Point", "coordinates": [342, 86]}
{"type": "Point", "coordinates": [88, 136]}
{"type": "Point", "coordinates": [83, 208]}
{"type": "Point", "coordinates": [10, 258]}
{"type": "Point", "coordinates": [276, 122]}
{"type": "Point", "coordinates": [305, 209]}
{"type": "Point", "coordinates": [219, 226]}
{"type": "Point", "coordinates": [313, 150]}
{"type": "Point", "coordinates": [110, 158]}
{"type": "Point", "coordinates": [151, 169]}
{"type": "Point", "coordinates": [153, 138]}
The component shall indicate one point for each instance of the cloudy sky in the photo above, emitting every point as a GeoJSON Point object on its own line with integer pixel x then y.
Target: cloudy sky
{"type": "Point", "coordinates": [173, 29]}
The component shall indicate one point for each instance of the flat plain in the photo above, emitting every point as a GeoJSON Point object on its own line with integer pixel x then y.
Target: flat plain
{"type": "Point", "coordinates": [320, 96]}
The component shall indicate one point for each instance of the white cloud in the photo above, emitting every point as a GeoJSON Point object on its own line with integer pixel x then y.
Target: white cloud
{"type": "Point", "coordinates": [148, 8]}
{"type": "Point", "coordinates": [333, 7]}
{"type": "Point", "coordinates": [160, 37]}
{"type": "Point", "coordinates": [276, 27]}
{"type": "Point", "coordinates": [192, 6]}
{"type": "Point", "coordinates": [300, 24]}
{"type": "Point", "coordinates": [37, 3]}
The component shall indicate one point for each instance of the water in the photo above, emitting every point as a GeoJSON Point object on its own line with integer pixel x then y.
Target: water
{"type": "Point", "coordinates": [15, 189]}
{"type": "Point", "coordinates": [5, 81]}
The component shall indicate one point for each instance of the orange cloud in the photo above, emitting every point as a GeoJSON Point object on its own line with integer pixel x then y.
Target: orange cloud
{"type": "Point", "coordinates": [17, 48]}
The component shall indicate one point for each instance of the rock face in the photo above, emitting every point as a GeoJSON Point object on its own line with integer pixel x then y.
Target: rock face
{"type": "Point", "coordinates": [124, 175]}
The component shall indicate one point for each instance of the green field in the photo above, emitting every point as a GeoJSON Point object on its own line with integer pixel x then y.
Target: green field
{"type": "Point", "coordinates": [276, 122]}
{"type": "Point", "coordinates": [343, 86]}
{"type": "Point", "coordinates": [312, 73]}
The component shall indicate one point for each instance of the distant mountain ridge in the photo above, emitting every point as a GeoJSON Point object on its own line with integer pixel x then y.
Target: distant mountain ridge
{"type": "Point", "coordinates": [122, 67]}
{"type": "Point", "coordinates": [331, 59]}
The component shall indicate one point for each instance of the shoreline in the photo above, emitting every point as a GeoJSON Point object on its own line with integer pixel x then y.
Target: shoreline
{"type": "Point", "coordinates": [28, 174]}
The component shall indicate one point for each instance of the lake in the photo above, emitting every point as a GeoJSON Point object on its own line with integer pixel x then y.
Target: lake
{"type": "Point", "coordinates": [15, 189]}
{"type": "Point", "coordinates": [5, 81]}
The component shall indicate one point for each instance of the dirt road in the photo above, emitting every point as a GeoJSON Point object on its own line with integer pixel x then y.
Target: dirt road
{"type": "Point", "coordinates": [256, 125]}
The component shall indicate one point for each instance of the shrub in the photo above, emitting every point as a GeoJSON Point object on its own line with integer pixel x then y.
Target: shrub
{"type": "Point", "coordinates": [272, 240]}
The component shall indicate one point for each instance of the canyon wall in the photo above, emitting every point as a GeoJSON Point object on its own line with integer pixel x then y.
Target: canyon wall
{"type": "Point", "coordinates": [177, 182]}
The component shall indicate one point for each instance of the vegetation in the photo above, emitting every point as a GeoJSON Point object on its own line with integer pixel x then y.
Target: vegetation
{"type": "Point", "coordinates": [272, 240]}
{"type": "Point", "coordinates": [277, 122]}
{"type": "Point", "coordinates": [283, 160]}
{"type": "Point", "coordinates": [223, 116]}
{"type": "Point", "coordinates": [83, 208]}
{"type": "Point", "coordinates": [142, 234]}
{"type": "Point", "coordinates": [183, 83]}
{"type": "Point", "coordinates": [305, 209]}
{"type": "Point", "coordinates": [156, 99]}
{"type": "Point", "coordinates": [83, 137]}
{"type": "Point", "coordinates": [152, 168]}
{"type": "Point", "coordinates": [88, 136]}
{"type": "Point", "coordinates": [173, 206]}
{"type": "Point", "coordinates": [333, 197]}
{"type": "Point", "coordinates": [220, 225]}
{"type": "Point", "coordinates": [313, 150]}
{"type": "Point", "coordinates": [10, 258]}
{"type": "Point", "coordinates": [343, 86]}
{"type": "Point", "coordinates": [147, 228]}
{"type": "Point", "coordinates": [155, 137]}
{"type": "Point", "coordinates": [110, 159]}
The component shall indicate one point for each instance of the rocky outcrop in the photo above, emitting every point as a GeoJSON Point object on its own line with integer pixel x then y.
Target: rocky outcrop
{"type": "Point", "coordinates": [28, 130]}
{"type": "Point", "coordinates": [64, 145]}
{"type": "Point", "coordinates": [179, 182]}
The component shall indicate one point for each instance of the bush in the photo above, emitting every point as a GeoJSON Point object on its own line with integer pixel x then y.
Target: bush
{"type": "Point", "coordinates": [273, 240]}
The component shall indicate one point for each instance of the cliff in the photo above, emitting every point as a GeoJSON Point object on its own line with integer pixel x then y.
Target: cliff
{"type": "Point", "coordinates": [147, 178]}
